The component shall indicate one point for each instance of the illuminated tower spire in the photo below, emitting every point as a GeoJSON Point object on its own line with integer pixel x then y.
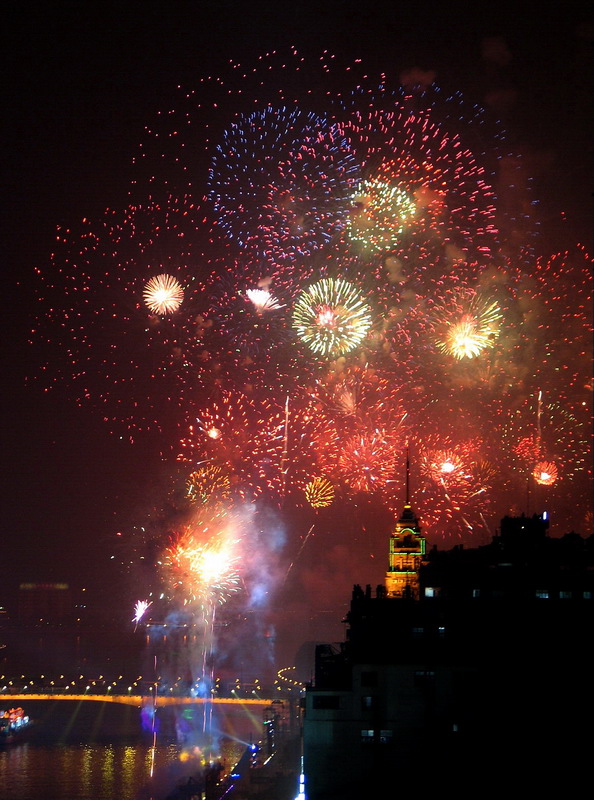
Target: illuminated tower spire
{"type": "Point", "coordinates": [407, 550]}
{"type": "Point", "coordinates": [407, 502]}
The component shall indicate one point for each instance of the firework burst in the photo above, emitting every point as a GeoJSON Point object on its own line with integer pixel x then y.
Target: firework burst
{"type": "Point", "coordinates": [380, 214]}
{"type": "Point", "coordinates": [444, 466]}
{"type": "Point", "coordinates": [240, 438]}
{"type": "Point", "coordinates": [207, 482]}
{"type": "Point", "coordinates": [434, 191]}
{"type": "Point", "coordinates": [202, 562]}
{"type": "Point", "coordinates": [368, 462]}
{"type": "Point", "coordinates": [319, 493]}
{"type": "Point", "coordinates": [140, 609]}
{"type": "Point", "coordinates": [469, 328]}
{"type": "Point", "coordinates": [331, 317]}
{"type": "Point", "coordinates": [545, 473]}
{"type": "Point", "coordinates": [263, 300]}
{"type": "Point", "coordinates": [163, 294]}
{"type": "Point", "coordinates": [280, 182]}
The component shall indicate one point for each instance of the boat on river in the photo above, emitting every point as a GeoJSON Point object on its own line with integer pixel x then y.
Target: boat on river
{"type": "Point", "coordinates": [14, 725]}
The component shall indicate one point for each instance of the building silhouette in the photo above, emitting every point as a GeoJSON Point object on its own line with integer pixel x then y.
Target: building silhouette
{"type": "Point", "coordinates": [471, 674]}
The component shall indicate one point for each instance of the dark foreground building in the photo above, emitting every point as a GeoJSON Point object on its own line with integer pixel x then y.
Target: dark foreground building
{"type": "Point", "coordinates": [468, 672]}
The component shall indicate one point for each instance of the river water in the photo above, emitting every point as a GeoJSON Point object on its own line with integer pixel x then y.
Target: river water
{"type": "Point", "coordinates": [104, 751]}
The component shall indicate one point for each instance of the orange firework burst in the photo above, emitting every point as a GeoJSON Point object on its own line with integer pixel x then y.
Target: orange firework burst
{"type": "Point", "coordinates": [204, 568]}
{"type": "Point", "coordinates": [368, 462]}
{"type": "Point", "coordinates": [443, 466]}
{"type": "Point", "coordinates": [222, 425]}
{"type": "Point", "coordinates": [545, 473]}
{"type": "Point", "coordinates": [207, 482]}
{"type": "Point", "coordinates": [319, 493]}
{"type": "Point", "coordinates": [453, 476]}
{"type": "Point", "coordinates": [466, 331]}
{"type": "Point", "coordinates": [163, 294]}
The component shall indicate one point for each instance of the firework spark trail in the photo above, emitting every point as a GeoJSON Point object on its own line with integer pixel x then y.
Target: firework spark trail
{"type": "Point", "coordinates": [285, 455]}
{"type": "Point", "coordinates": [208, 667]}
{"type": "Point", "coordinates": [304, 542]}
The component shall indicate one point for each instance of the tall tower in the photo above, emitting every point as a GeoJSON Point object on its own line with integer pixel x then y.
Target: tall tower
{"type": "Point", "coordinates": [407, 551]}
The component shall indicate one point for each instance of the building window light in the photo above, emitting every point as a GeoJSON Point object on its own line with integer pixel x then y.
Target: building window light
{"type": "Point", "coordinates": [587, 595]}
{"type": "Point", "coordinates": [430, 591]}
{"type": "Point", "coordinates": [564, 595]}
{"type": "Point", "coordinates": [542, 593]}
{"type": "Point", "coordinates": [386, 737]}
{"type": "Point", "coordinates": [476, 592]}
{"type": "Point", "coordinates": [367, 736]}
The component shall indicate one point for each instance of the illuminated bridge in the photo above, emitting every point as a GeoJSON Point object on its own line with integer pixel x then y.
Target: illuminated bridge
{"type": "Point", "coordinates": [244, 695]}
{"type": "Point", "coordinates": [139, 700]}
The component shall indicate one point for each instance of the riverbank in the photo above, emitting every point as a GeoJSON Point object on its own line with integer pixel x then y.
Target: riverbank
{"type": "Point", "coordinates": [276, 778]}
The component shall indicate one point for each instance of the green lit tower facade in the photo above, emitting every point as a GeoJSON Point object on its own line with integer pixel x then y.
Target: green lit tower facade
{"type": "Point", "coordinates": [407, 552]}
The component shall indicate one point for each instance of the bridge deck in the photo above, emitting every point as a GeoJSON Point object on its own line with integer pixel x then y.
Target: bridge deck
{"type": "Point", "coordinates": [137, 700]}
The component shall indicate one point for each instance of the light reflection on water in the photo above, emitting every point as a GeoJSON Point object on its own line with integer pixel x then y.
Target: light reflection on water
{"type": "Point", "coordinates": [109, 759]}
{"type": "Point", "coordinates": [85, 772]}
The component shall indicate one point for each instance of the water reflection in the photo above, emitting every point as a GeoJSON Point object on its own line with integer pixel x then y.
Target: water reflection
{"type": "Point", "coordinates": [100, 771]}
{"type": "Point", "coordinates": [100, 751]}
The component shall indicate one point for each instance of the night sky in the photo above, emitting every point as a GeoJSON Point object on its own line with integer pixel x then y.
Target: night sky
{"type": "Point", "coordinates": [80, 82]}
